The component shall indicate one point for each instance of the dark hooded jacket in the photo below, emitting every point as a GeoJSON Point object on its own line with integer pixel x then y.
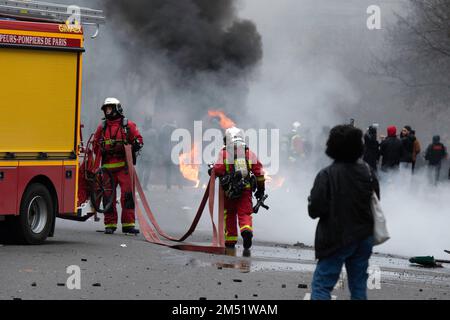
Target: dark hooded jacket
{"type": "Point", "coordinates": [341, 198]}
{"type": "Point", "coordinates": [436, 152]}
{"type": "Point", "coordinates": [371, 148]}
{"type": "Point", "coordinates": [408, 148]}
{"type": "Point", "coordinates": [391, 150]}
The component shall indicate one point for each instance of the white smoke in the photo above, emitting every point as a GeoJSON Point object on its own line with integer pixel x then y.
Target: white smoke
{"type": "Point", "coordinates": [304, 78]}
{"type": "Point", "coordinates": [315, 55]}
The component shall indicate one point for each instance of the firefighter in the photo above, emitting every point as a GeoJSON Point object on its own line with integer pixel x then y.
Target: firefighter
{"type": "Point", "coordinates": [240, 173]}
{"type": "Point", "coordinates": [296, 144]}
{"type": "Point", "coordinates": [112, 134]}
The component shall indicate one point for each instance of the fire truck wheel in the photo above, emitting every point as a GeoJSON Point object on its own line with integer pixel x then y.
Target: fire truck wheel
{"type": "Point", "coordinates": [36, 215]}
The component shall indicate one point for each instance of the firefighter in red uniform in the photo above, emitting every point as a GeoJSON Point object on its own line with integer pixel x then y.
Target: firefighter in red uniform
{"type": "Point", "coordinates": [109, 139]}
{"type": "Point", "coordinates": [240, 173]}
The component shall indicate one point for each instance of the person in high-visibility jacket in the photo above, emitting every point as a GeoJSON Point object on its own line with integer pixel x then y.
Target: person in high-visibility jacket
{"type": "Point", "coordinates": [235, 167]}
{"type": "Point", "coordinates": [112, 134]}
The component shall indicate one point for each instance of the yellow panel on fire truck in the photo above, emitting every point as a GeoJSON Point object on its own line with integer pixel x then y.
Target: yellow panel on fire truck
{"type": "Point", "coordinates": [40, 65]}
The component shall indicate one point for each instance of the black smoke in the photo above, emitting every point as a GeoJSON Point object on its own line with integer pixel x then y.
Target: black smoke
{"type": "Point", "coordinates": [207, 53]}
{"type": "Point", "coordinates": [196, 35]}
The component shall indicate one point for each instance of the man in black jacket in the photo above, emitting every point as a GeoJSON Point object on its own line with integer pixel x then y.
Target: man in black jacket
{"type": "Point", "coordinates": [391, 150]}
{"type": "Point", "coordinates": [436, 152]}
{"type": "Point", "coordinates": [408, 139]}
{"type": "Point", "coordinates": [371, 147]}
{"type": "Point", "coordinates": [341, 199]}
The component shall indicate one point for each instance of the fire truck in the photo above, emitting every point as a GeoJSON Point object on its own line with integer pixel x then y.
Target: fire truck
{"type": "Point", "coordinates": [40, 107]}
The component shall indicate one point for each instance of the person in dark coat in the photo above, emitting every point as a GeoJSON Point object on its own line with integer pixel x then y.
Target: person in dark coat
{"type": "Point", "coordinates": [371, 148]}
{"type": "Point", "coordinates": [436, 152]}
{"type": "Point", "coordinates": [408, 140]}
{"type": "Point", "coordinates": [391, 150]}
{"type": "Point", "coordinates": [341, 199]}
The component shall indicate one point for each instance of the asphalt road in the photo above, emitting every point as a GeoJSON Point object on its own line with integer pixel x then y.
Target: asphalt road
{"type": "Point", "coordinates": [127, 267]}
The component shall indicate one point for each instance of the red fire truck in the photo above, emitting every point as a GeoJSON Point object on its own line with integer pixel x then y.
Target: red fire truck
{"type": "Point", "coordinates": [40, 104]}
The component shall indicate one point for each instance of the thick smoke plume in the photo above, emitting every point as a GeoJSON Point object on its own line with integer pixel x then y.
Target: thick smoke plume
{"type": "Point", "coordinates": [199, 46]}
{"type": "Point", "coordinates": [196, 35]}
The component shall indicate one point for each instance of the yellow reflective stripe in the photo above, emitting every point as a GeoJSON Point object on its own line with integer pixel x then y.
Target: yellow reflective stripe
{"type": "Point", "coordinates": [261, 178]}
{"type": "Point", "coordinates": [126, 225]}
{"type": "Point", "coordinates": [110, 141]}
{"type": "Point", "coordinates": [110, 225]}
{"type": "Point", "coordinates": [247, 227]}
{"type": "Point", "coordinates": [227, 166]}
{"type": "Point", "coordinates": [231, 238]}
{"type": "Point", "coordinates": [114, 165]}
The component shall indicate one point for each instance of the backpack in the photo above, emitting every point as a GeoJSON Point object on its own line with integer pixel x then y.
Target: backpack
{"type": "Point", "coordinates": [233, 183]}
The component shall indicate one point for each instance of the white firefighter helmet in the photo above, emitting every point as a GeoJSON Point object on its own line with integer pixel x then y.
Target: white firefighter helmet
{"type": "Point", "coordinates": [234, 135]}
{"type": "Point", "coordinates": [296, 126]}
{"type": "Point", "coordinates": [115, 103]}
{"type": "Point", "coordinates": [235, 144]}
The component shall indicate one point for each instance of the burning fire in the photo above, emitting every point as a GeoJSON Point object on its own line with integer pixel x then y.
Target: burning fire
{"type": "Point", "coordinates": [188, 168]}
{"type": "Point", "coordinates": [225, 122]}
{"type": "Point", "coordinates": [275, 182]}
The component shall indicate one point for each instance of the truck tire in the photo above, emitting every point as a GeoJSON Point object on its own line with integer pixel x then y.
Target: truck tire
{"type": "Point", "coordinates": [37, 215]}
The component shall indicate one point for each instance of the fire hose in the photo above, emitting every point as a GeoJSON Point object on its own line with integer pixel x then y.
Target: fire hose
{"type": "Point", "coordinates": [152, 232]}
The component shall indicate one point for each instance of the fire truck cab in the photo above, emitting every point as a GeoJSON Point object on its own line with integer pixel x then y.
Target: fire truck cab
{"type": "Point", "coordinates": [40, 107]}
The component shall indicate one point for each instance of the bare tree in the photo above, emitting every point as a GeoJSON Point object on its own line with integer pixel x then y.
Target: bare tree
{"type": "Point", "coordinates": [418, 53]}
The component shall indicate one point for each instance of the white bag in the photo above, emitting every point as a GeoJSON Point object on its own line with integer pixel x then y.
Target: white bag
{"type": "Point", "coordinates": [381, 234]}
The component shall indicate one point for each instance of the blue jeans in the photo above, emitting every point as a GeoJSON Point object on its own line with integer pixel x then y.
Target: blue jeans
{"type": "Point", "coordinates": [356, 259]}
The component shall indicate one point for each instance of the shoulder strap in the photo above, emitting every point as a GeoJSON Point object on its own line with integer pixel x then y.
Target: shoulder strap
{"type": "Point", "coordinates": [126, 128]}
{"type": "Point", "coordinates": [247, 156]}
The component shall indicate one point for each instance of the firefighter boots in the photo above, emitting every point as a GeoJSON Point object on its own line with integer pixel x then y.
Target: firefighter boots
{"type": "Point", "coordinates": [247, 236]}
{"type": "Point", "coordinates": [130, 230]}
{"type": "Point", "coordinates": [109, 230]}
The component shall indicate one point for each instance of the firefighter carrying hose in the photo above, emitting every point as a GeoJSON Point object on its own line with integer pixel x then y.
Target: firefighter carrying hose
{"type": "Point", "coordinates": [112, 134]}
{"type": "Point", "coordinates": [240, 173]}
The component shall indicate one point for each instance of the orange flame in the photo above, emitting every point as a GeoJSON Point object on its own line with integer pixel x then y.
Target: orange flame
{"type": "Point", "coordinates": [225, 122]}
{"type": "Point", "coordinates": [188, 168]}
{"type": "Point", "coordinates": [275, 182]}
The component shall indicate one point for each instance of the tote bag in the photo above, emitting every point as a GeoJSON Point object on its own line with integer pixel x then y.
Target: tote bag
{"type": "Point", "coordinates": [381, 234]}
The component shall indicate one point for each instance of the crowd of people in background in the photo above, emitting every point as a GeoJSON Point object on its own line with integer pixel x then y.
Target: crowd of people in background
{"type": "Point", "coordinates": [392, 152]}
